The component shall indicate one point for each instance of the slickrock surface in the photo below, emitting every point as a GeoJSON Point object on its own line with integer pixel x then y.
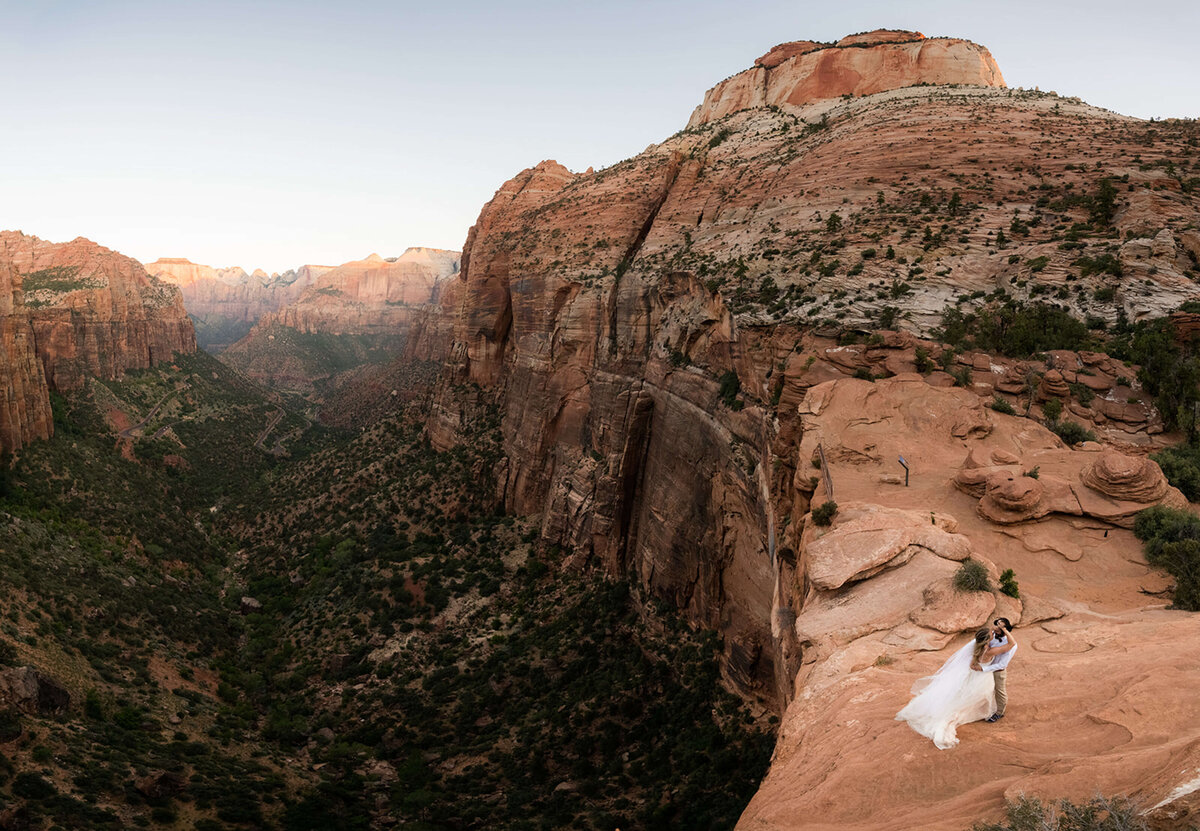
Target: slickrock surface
{"type": "Point", "coordinates": [25, 407]}
{"type": "Point", "coordinates": [1100, 695]}
{"type": "Point", "coordinates": [94, 311]}
{"type": "Point", "coordinates": [804, 72]}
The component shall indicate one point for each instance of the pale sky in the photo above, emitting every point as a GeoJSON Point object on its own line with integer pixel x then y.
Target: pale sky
{"type": "Point", "coordinates": [271, 134]}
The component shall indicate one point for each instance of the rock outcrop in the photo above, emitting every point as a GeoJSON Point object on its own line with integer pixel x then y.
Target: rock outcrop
{"type": "Point", "coordinates": [804, 72]}
{"type": "Point", "coordinates": [1109, 485]}
{"type": "Point", "coordinates": [30, 691]}
{"type": "Point", "coordinates": [94, 311]}
{"type": "Point", "coordinates": [669, 343]}
{"type": "Point", "coordinates": [25, 409]}
{"type": "Point", "coordinates": [370, 296]}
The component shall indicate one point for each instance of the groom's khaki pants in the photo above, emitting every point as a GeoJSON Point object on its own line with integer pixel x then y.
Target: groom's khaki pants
{"type": "Point", "coordinates": [1001, 690]}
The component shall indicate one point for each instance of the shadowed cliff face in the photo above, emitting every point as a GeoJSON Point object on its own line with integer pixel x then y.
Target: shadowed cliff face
{"type": "Point", "coordinates": [94, 311]}
{"type": "Point", "coordinates": [25, 408]}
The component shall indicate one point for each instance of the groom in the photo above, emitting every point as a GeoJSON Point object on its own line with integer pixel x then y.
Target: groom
{"type": "Point", "coordinates": [995, 658]}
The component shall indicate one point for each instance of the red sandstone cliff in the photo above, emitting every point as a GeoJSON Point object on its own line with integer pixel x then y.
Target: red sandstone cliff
{"type": "Point", "coordinates": [25, 409]}
{"type": "Point", "coordinates": [94, 311]}
{"type": "Point", "coordinates": [368, 305]}
{"type": "Point", "coordinates": [803, 72]}
{"type": "Point", "coordinates": [652, 335]}
{"type": "Point", "coordinates": [371, 296]}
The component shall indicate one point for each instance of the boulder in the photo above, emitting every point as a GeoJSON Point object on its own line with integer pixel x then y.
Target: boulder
{"type": "Point", "coordinates": [250, 605]}
{"type": "Point", "coordinates": [1131, 478]}
{"type": "Point", "coordinates": [1053, 385]}
{"type": "Point", "coordinates": [1010, 498]}
{"type": "Point", "coordinates": [872, 538]}
{"type": "Point", "coordinates": [949, 610]}
{"type": "Point", "coordinates": [27, 690]}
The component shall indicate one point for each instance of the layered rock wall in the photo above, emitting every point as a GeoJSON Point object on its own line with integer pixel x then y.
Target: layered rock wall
{"type": "Point", "coordinates": [647, 329]}
{"type": "Point", "coordinates": [370, 296]}
{"type": "Point", "coordinates": [94, 311]}
{"type": "Point", "coordinates": [25, 408]}
{"type": "Point", "coordinates": [226, 302]}
{"type": "Point", "coordinates": [803, 72]}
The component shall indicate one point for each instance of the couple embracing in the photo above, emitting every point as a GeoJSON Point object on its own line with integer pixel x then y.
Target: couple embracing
{"type": "Point", "coordinates": [970, 686]}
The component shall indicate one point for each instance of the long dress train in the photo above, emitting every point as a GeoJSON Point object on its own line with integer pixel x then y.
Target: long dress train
{"type": "Point", "coordinates": [954, 695]}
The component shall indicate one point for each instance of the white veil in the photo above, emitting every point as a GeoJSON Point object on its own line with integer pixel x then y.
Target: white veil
{"type": "Point", "coordinates": [954, 695]}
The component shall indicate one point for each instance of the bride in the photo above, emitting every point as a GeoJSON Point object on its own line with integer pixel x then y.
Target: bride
{"type": "Point", "coordinates": [955, 695]}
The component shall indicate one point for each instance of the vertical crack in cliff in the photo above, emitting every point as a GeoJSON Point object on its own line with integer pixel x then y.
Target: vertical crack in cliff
{"type": "Point", "coordinates": [673, 168]}
{"type": "Point", "coordinates": [633, 465]}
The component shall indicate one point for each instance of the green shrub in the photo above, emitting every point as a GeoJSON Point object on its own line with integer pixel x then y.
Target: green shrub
{"type": "Point", "coordinates": [1097, 814]}
{"type": "Point", "coordinates": [730, 386]}
{"type": "Point", "coordinates": [1181, 465]}
{"type": "Point", "coordinates": [921, 359]}
{"type": "Point", "coordinates": [1052, 410]}
{"type": "Point", "coordinates": [1000, 404]}
{"type": "Point", "coordinates": [1072, 432]}
{"type": "Point", "coordinates": [1008, 583]}
{"type": "Point", "coordinates": [972, 576]}
{"type": "Point", "coordinates": [1171, 540]}
{"type": "Point", "coordinates": [823, 515]}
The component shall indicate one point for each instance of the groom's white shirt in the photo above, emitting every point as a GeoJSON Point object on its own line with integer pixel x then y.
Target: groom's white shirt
{"type": "Point", "coordinates": [1000, 661]}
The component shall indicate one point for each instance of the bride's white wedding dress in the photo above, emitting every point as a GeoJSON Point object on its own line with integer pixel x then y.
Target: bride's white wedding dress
{"type": "Point", "coordinates": [955, 695]}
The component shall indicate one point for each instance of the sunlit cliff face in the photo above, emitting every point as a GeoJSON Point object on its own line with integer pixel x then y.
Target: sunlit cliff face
{"type": "Point", "coordinates": [802, 72]}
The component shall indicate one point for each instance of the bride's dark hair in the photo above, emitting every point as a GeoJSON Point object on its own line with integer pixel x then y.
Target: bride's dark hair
{"type": "Point", "coordinates": [982, 638]}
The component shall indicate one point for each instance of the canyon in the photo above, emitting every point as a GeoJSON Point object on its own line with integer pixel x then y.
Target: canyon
{"type": "Point", "coordinates": [226, 302]}
{"type": "Point", "coordinates": [774, 375]}
{"type": "Point", "coordinates": [357, 313]}
{"type": "Point", "coordinates": [667, 340]}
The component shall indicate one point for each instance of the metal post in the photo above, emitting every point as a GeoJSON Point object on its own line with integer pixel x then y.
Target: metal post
{"type": "Point", "coordinates": [904, 464]}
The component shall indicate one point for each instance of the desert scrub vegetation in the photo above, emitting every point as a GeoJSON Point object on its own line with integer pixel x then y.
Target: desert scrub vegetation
{"type": "Point", "coordinates": [1171, 541]}
{"type": "Point", "coordinates": [971, 576]}
{"type": "Point", "coordinates": [1181, 465]}
{"type": "Point", "coordinates": [482, 674]}
{"type": "Point", "coordinates": [824, 513]}
{"type": "Point", "coordinates": [1100, 813]}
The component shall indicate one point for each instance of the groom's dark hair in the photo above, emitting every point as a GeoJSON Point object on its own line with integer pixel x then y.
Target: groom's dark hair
{"type": "Point", "coordinates": [1005, 622]}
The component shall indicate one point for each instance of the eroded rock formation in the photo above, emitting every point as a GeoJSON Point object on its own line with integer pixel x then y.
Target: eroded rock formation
{"type": "Point", "coordinates": [94, 311]}
{"type": "Point", "coordinates": [662, 340]}
{"type": "Point", "coordinates": [804, 72]}
{"type": "Point", "coordinates": [357, 313]}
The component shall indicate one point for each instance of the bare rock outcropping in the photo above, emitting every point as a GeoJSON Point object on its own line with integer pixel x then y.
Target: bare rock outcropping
{"type": "Point", "coordinates": [94, 311]}
{"type": "Point", "coordinates": [803, 72]}
{"type": "Point", "coordinates": [25, 404]}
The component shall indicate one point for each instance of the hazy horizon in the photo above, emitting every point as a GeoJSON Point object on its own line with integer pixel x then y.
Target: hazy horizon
{"type": "Point", "coordinates": [275, 134]}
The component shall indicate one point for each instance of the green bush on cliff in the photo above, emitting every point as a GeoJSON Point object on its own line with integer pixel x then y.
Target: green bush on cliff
{"type": "Point", "coordinates": [972, 576]}
{"type": "Point", "coordinates": [1099, 813]}
{"type": "Point", "coordinates": [1181, 465]}
{"type": "Point", "coordinates": [823, 515]}
{"type": "Point", "coordinates": [1171, 540]}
